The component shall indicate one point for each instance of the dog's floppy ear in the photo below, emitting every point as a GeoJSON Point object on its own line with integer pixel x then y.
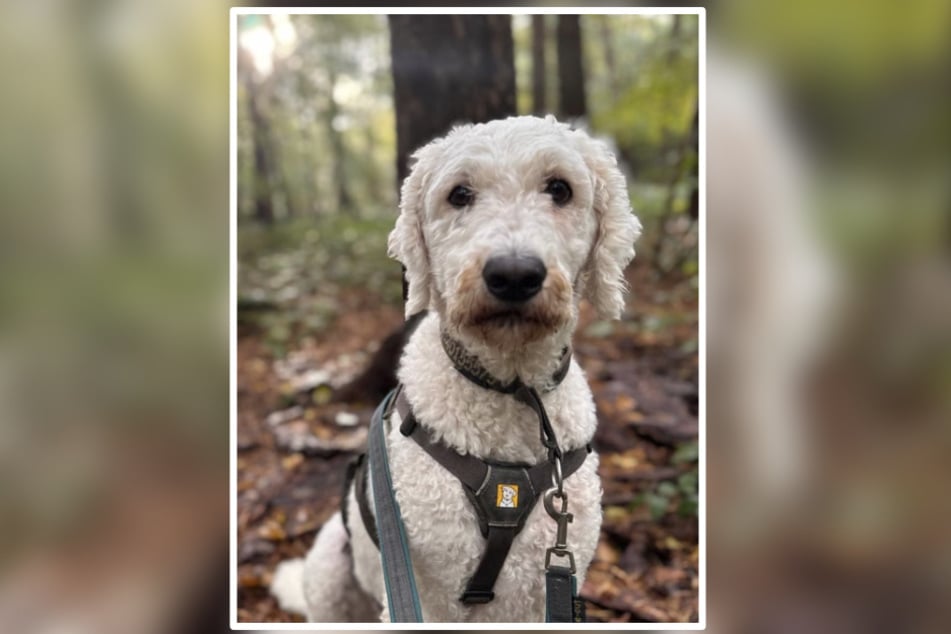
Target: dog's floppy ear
{"type": "Point", "coordinates": [618, 228]}
{"type": "Point", "coordinates": [406, 242]}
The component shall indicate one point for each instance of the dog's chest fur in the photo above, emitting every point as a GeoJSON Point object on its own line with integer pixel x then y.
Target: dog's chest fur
{"type": "Point", "coordinates": [443, 531]}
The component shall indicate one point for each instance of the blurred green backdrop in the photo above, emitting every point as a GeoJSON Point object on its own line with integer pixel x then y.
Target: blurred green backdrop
{"type": "Point", "coordinates": [113, 319]}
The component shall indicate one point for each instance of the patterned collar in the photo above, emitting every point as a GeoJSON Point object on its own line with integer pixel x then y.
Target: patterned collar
{"type": "Point", "coordinates": [469, 366]}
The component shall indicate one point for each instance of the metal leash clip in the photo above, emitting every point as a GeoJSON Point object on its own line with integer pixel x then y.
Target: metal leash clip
{"type": "Point", "coordinates": [562, 604]}
{"type": "Point", "coordinates": [562, 517]}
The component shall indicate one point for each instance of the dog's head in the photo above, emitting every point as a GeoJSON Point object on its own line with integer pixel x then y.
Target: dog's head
{"type": "Point", "coordinates": [504, 225]}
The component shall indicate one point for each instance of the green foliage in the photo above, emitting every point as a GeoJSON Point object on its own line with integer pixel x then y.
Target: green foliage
{"type": "Point", "coordinates": [686, 453]}
{"type": "Point", "coordinates": [680, 494]}
{"type": "Point", "coordinates": [642, 84]}
{"type": "Point", "coordinates": [687, 486]}
{"type": "Point", "coordinates": [648, 104]}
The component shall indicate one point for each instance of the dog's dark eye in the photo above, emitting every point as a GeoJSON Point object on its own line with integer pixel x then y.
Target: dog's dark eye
{"type": "Point", "coordinates": [559, 190]}
{"type": "Point", "coordinates": [461, 196]}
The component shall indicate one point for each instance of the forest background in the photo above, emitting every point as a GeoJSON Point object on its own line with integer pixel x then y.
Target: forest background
{"type": "Point", "coordinates": [329, 108]}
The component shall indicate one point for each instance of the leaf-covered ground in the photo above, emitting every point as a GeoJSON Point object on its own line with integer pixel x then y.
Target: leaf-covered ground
{"type": "Point", "coordinates": [294, 440]}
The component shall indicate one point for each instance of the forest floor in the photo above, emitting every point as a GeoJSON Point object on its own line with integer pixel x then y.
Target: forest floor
{"type": "Point", "coordinates": [294, 442]}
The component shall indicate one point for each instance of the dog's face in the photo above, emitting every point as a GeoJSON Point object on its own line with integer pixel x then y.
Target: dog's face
{"type": "Point", "coordinates": [503, 226]}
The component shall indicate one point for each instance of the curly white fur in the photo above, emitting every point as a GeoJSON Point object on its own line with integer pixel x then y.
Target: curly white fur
{"type": "Point", "coordinates": [585, 244]}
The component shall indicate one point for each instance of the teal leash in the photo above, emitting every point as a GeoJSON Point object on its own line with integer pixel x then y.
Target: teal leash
{"type": "Point", "coordinates": [401, 594]}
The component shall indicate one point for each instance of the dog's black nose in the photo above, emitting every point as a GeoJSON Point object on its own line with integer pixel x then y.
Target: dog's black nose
{"type": "Point", "coordinates": [513, 278]}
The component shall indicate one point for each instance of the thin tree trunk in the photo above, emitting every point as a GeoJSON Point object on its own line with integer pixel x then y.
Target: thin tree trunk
{"type": "Point", "coordinates": [610, 60]}
{"type": "Point", "coordinates": [263, 206]}
{"type": "Point", "coordinates": [283, 166]}
{"type": "Point", "coordinates": [371, 173]}
{"type": "Point", "coordinates": [260, 135]}
{"type": "Point", "coordinates": [674, 52]}
{"type": "Point", "coordinates": [538, 65]}
{"type": "Point", "coordinates": [570, 70]}
{"type": "Point", "coordinates": [677, 174]}
{"type": "Point", "coordinates": [337, 148]}
{"type": "Point", "coordinates": [280, 163]}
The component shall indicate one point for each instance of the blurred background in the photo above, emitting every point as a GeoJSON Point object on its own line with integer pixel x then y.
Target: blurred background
{"type": "Point", "coordinates": [329, 109]}
{"type": "Point", "coordinates": [828, 392]}
{"type": "Point", "coordinates": [320, 158]}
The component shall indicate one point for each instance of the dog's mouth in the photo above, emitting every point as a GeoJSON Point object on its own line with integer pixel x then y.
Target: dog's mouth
{"type": "Point", "coordinates": [509, 317]}
{"type": "Point", "coordinates": [505, 318]}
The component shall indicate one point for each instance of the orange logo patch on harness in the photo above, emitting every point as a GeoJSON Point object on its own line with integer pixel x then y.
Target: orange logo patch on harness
{"type": "Point", "coordinates": [507, 496]}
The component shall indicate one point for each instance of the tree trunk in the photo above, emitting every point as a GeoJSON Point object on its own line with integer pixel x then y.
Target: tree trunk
{"type": "Point", "coordinates": [685, 151]}
{"type": "Point", "coordinates": [693, 206]}
{"type": "Point", "coordinates": [337, 148]}
{"type": "Point", "coordinates": [610, 59]}
{"type": "Point", "coordinates": [371, 174]}
{"type": "Point", "coordinates": [448, 69]}
{"type": "Point", "coordinates": [674, 52]}
{"type": "Point", "coordinates": [260, 137]}
{"type": "Point", "coordinates": [279, 160]}
{"type": "Point", "coordinates": [570, 71]}
{"type": "Point", "coordinates": [538, 65]}
{"type": "Point", "coordinates": [263, 178]}
{"type": "Point", "coordinates": [283, 165]}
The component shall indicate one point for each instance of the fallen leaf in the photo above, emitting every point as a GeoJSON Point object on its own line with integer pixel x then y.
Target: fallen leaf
{"type": "Point", "coordinates": [322, 394]}
{"type": "Point", "coordinates": [272, 531]}
{"type": "Point", "coordinates": [626, 461]}
{"type": "Point", "coordinates": [292, 461]}
{"type": "Point", "coordinates": [623, 402]}
{"type": "Point", "coordinates": [607, 553]}
{"type": "Point", "coordinates": [250, 580]}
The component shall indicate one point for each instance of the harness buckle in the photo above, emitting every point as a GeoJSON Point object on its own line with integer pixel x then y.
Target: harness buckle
{"type": "Point", "coordinates": [477, 596]}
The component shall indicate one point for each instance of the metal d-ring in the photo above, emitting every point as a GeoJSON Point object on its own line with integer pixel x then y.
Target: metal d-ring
{"type": "Point", "coordinates": [557, 477]}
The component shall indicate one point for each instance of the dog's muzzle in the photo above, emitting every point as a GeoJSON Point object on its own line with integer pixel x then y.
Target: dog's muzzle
{"type": "Point", "coordinates": [514, 278]}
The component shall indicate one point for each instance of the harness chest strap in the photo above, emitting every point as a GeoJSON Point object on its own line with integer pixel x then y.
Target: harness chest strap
{"type": "Point", "coordinates": [502, 494]}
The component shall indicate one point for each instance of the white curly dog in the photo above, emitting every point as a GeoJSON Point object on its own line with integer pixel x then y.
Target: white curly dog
{"type": "Point", "coordinates": [503, 228]}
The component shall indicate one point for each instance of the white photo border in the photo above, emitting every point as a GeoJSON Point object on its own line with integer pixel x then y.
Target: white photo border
{"type": "Point", "coordinates": [700, 12]}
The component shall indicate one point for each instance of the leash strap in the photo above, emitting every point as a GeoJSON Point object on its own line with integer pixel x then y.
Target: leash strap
{"type": "Point", "coordinates": [401, 593]}
{"type": "Point", "coordinates": [529, 396]}
{"type": "Point", "coordinates": [562, 604]}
